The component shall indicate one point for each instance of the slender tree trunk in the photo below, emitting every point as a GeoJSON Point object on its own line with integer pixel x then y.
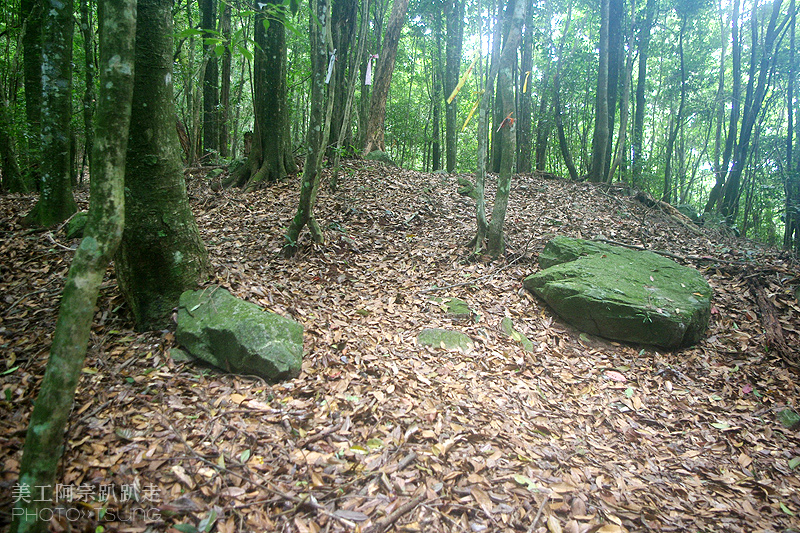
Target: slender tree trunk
{"type": "Point", "coordinates": [454, 37]}
{"type": "Point", "coordinates": [437, 98]}
{"type": "Point", "coordinates": [736, 103]}
{"type": "Point", "coordinates": [351, 89]}
{"type": "Point", "coordinates": [667, 193]}
{"type": "Point", "coordinates": [33, 15]}
{"type": "Point", "coordinates": [210, 83]}
{"type": "Point", "coordinates": [637, 156]}
{"type": "Point", "coordinates": [562, 138]}
{"type": "Point", "coordinates": [87, 31]}
{"type": "Point", "coordinates": [383, 78]}
{"type": "Point", "coordinates": [318, 128]}
{"type": "Point", "coordinates": [56, 202]}
{"type": "Point", "coordinates": [791, 233]}
{"type": "Point", "coordinates": [161, 254]}
{"type": "Point", "coordinates": [225, 85]}
{"type": "Point", "coordinates": [616, 58]}
{"type": "Point", "coordinates": [344, 22]}
{"type": "Point", "coordinates": [752, 108]}
{"type": "Point", "coordinates": [524, 122]}
{"type": "Point", "coordinates": [13, 180]}
{"type": "Point", "coordinates": [45, 438]}
{"type": "Point", "coordinates": [601, 134]}
{"type": "Point", "coordinates": [502, 69]}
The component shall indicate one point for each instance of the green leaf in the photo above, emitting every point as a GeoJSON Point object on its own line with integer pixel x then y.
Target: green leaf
{"type": "Point", "coordinates": [357, 448]}
{"type": "Point", "coordinates": [374, 444]}
{"type": "Point", "coordinates": [207, 523]}
{"type": "Point", "coordinates": [186, 528]}
{"type": "Point", "coordinates": [10, 370]}
{"type": "Point", "coordinates": [244, 456]}
{"type": "Point", "coordinates": [720, 425]}
{"type": "Point", "coordinates": [793, 462]}
{"type": "Point", "coordinates": [786, 510]}
{"type": "Point", "coordinates": [524, 480]}
{"type": "Point", "coordinates": [189, 32]}
{"type": "Point", "coordinates": [629, 392]}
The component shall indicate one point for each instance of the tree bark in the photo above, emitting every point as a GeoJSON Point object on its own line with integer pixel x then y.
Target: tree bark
{"type": "Point", "coordinates": [33, 15]}
{"type": "Point", "coordinates": [600, 138]}
{"type": "Point", "coordinates": [208, 10]}
{"type": "Point", "coordinates": [271, 156]}
{"type": "Point", "coordinates": [318, 128]}
{"type": "Point", "coordinates": [161, 254]}
{"type": "Point", "coordinates": [344, 22]}
{"type": "Point", "coordinates": [383, 78]}
{"type": "Point", "coordinates": [87, 31]}
{"type": "Point", "coordinates": [562, 138]}
{"type": "Point", "coordinates": [56, 202]}
{"type": "Point", "coordinates": [13, 180]}
{"type": "Point", "coordinates": [44, 441]}
{"type": "Point", "coordinates": [225, 84]}
{"type": "Point", "coordinates": [454, 37]}
{"type": "Point", "coordinates": [752, 108]}
{"type": "Point", "coordinates": [637, 157]}
{"type": "Point", "coordinates": [791, 233]}
{"type": "Point", "coordinates": [524, 122]}
{"type": "Point", "coordinates": [502, 69]}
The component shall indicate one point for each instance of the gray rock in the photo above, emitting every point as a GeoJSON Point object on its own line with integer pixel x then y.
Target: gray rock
{"type": "Point", "coordinates": [383, 157]}
{"type": "Point", "coordinates": [621, 294]}
{"type": "Point", "coordinates": [239, 336]}
{"type": "Point", "coordinates": [76, 225]}
{"type": "Point", "coordinates": [447, 339]}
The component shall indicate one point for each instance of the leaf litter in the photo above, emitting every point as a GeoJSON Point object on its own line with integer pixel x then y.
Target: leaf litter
{"type": "Point", "coordinates": [574, 434]}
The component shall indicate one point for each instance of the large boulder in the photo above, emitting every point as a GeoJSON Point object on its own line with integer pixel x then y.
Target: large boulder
{"type": "Point", "coordinates": [238, 336]}
{"type": "Point", "coordinates": [622, 294]}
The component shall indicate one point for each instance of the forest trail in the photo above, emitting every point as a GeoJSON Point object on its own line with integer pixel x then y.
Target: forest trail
{"type": "Point", "coordinates": [378, 433]}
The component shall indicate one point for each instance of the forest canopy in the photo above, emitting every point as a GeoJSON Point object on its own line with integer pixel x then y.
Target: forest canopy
{"type": "Point", "coordinates": [693, 101]}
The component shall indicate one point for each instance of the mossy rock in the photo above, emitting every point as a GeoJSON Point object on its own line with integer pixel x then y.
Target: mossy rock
{"type": "Point", "coordinates": [622, 294]}
{"type": "Point", "coordinates": [76, 225]}
{"type": "Point", "coordinates": [446, 339]}
{"type": "Point", "coordinates": [381, 156]}
{"type": "Point", "coordinates": [455, 307]}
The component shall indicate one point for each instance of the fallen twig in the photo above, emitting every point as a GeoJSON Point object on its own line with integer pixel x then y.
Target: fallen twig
{"type": "Point", "coordinates": [385, 522]}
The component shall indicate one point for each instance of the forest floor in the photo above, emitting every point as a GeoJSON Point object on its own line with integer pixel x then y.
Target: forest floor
{"type": "Point", "coordinates": [378, 433]}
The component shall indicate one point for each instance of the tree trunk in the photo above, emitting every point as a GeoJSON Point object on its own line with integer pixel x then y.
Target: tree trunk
{"type": "Point", "coordinates": [562, 138]}
{"type": "Point", "coordinates": [791, 233]}
{"type": "Point", "coordinates": [208, 10]}
{"type": "Point", "coordinates": [600, 139]}
{"type": "Point", "coordinates": [437, 97]}
{"type": "Point", "coordinates": [33, 15]}
{"type": "Point", "coordinates": [56, 202]}
{"type": "Point", "coordinates": [271, 157]}
{"type": "Point", "coordinates": [637, 156]}
{"type": "Point", "coordinates": [616, 57]}
{"type": "Point", "coordinates": [161, 254]}
{"type": "Point", "coordinates": [524, 123]}
{"type": "Point", "coordinates": [87, 31]}
{"type": "Point", "coordinates": [13, 180]}
{"type": "Point", "coordinates": [752, 108]}
{"type": "Point", "coordinates": [383, 78]}
{"type": "Point", "coordinates": [344, 22]}
{"type": "Point", "coordinates": [736, 103]}
{"type": "Point", "coordinates": [351, 89]}
{"type": "Point", "coordinates": [225, 85]}
{"type": "Point", "coordinates": [45, 438]}
{"type": "Point", "coordinates": [318, 128]}
{"type": "Point", "coordinates": [502, 69]}
{"type": "Point", "coordinates": [667, 193]}
{"type": "Point", "coordinates": [454, 37]}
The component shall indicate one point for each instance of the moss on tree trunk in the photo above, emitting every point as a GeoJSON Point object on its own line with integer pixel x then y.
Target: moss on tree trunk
{"type": "Point", "coordinates": [161, 254]}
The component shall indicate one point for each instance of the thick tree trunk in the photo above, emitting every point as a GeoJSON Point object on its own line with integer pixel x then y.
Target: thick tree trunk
{"type": "Point", "coordinates": [45, 438]}
{"type": "Point", "coordinates": [616, 58]}
{"type": "Point", "coordinates": [454, 37]}
{"type": "Point", "coordinates": [318, 128]}
{"type": "Point", "coordinates": [383, 79]}
{"type": "Point", "coordinates": [56, 202]}
{"type": "Point", "coordinates": [271, 156]}
{"type": "Point", "coordinates": [344, 22]}
{"type": "Point", "coordinates": [601, 134]}
{"type": "Point", "coordinates": [161, 254]}
{"type": "Point", "coordinates": [210, 84]}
